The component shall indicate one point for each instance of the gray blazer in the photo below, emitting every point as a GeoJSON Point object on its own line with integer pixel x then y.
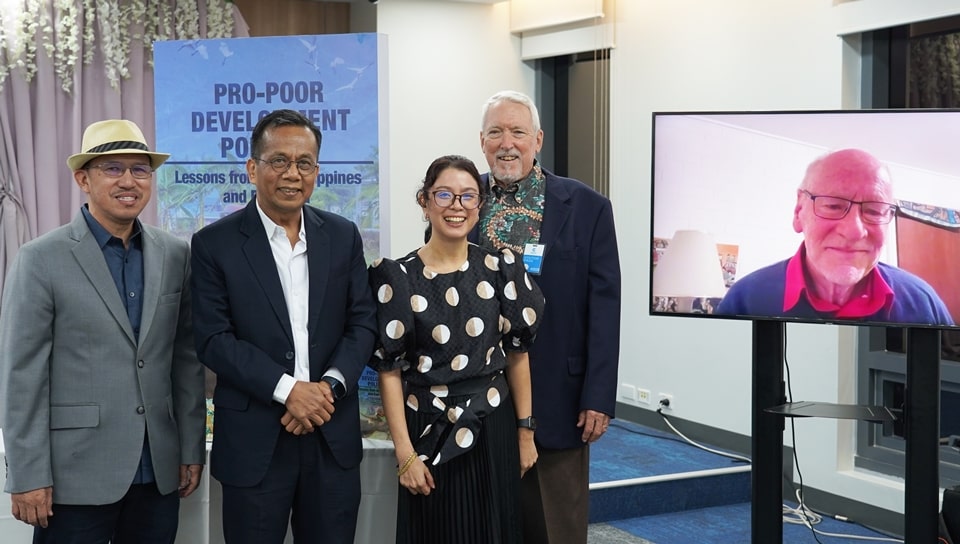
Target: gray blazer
{"type": "Point", "coordinates": [78, 390]}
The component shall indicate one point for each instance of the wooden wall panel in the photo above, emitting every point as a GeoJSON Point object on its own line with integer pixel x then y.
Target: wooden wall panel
{"type": "Point", "coordinates": [928, 251]}
{"type": "Point", "coordinates": [294, 17]}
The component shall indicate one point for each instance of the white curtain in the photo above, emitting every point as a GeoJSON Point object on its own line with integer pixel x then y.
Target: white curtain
{"type": "Point", "coordinates": [13, 219]}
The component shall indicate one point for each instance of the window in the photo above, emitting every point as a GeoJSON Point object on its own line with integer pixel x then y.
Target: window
{"type": "Point", "coordinates": [913, 66]}
{"type": "Point", "coordinates": [575, 115]}
{"type": "Point", "coordinates": [882, 378]}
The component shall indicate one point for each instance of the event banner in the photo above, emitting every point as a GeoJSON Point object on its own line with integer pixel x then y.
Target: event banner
{"type": "Point", "coordinates": [209, 95]}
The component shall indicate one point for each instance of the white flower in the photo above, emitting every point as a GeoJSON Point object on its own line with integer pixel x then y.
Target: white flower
{"type": "Point", "coordinates": [89, 16]}
{"type": "Point", "coordinates": [67, 44]}
{"type": "Point", "coordinates": [64, 28]}
{"type": "Point", "coordinates": [33, 24]}
{"type": "Point", "coordinates": [219, 19]}
{"type": "Point", "coordinates": [188, 20]}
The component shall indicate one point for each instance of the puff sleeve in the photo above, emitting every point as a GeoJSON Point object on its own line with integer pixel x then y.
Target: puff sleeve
{"type": "Point", "coordinates": [521, 303]}
{"type": "Point", "coordinates": [395, 323]}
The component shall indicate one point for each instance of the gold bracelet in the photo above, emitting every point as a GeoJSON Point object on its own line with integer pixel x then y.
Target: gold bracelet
{"type": "Point", "coordinates": [406, 464]}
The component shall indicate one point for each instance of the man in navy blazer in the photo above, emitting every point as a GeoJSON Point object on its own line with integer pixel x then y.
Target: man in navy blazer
{"type": "Point", "coordinates": [565, 231]}
{"type": "Point", "coordinates": [285, 318]}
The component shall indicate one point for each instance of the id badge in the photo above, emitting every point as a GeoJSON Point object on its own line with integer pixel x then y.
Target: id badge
{"type": "Point", "coordinates": [533, 258]}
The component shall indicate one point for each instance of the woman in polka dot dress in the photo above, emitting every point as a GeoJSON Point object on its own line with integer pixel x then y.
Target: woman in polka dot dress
{"type": "Point", "coordinates": [455, 322]}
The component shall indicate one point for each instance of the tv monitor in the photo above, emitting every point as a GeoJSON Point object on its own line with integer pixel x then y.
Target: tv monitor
{"type": "Point", "coordinates": [847, 217]}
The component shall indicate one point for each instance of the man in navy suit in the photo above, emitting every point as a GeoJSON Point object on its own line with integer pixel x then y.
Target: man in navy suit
{"type": "Point", "coordinates": [284, 316]}
{"type": "Point", "coordinates": [565, 231]}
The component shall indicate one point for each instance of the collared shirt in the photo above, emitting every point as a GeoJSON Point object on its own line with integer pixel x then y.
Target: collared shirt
{"type": "Point", "coordinates": [126, 269]}
{"type": "Point", "coordinates": [294, 275]}
{"type": "Point", "coordinates": [875, 293]}
{"type": "Point", "coordinates": [512, 216]}
{"type": "Point", "coordinates": [125, 264]}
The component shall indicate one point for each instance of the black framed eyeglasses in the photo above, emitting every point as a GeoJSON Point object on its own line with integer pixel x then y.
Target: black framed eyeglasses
{"type": "Point", "coordinates": [445, 199]}
{"type": "Point", "coordinates": [116, 170]}
{"type": "Point", "coordinates": [834, 207]}
{"type": "Point", "coordinates": [282, 164]}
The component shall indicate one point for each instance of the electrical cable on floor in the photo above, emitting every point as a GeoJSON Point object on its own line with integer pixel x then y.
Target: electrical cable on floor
{"type": "Point", "coordinates": [801, 510]}
{"type": "Point", "coordinates": [631, 430]}
{"type": "Point", "coordinates": [701, 446]}
{"type": "Point", "coordinates": [803, 514]}
{"type": "Point", "coordinates": [858, 537]}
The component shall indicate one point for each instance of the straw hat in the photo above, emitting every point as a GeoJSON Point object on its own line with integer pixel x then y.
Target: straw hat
{"type": "Point", "coordinates": [113, 137]}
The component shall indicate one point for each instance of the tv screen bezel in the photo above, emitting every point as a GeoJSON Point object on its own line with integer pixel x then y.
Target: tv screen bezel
{"type": "Point", "coordinates": [654, 235]}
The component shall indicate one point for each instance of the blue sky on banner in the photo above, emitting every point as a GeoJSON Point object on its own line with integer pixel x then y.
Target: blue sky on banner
{"type": "Point", "coordinates": [209, 94]}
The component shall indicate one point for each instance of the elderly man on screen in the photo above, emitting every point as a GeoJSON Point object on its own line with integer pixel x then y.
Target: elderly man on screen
{"type": "Point", "coordinates": [844, 206]}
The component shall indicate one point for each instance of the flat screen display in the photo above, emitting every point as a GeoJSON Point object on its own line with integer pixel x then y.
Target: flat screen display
{"type": "Point", "coordinates": [849, 217]}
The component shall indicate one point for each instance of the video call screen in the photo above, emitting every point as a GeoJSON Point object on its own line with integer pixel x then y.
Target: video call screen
{"type": "Point", "coordinates": [848, 217]}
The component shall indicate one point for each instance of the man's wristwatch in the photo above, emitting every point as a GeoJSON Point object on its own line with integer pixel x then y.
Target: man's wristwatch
{"type": "Point", "coordinates": [527, 423]}
{"type": "Point", "coordinates": [335, 386]}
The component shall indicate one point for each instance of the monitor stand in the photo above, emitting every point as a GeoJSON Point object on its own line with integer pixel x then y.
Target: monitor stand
{"type": "Point", "coordinates": [921, 412]}
{"type": "Point", "coordinates": [875, 414]}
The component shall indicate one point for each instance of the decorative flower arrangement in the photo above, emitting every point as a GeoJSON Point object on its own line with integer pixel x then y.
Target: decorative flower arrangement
{"type": "Point", "coordinates": [68, 43]}
{"type": "Point", "coordinates": [89, 8]}
{"type": "Point", "coordinates": [219, 19]}
{"type": "Point", "coordinates": [64, 28]}
{"type": "Point", "coordinates": [35, 18]}
{"type": "Point", "coordinates": [113, 44]}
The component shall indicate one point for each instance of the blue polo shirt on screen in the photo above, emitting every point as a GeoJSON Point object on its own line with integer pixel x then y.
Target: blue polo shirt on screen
{"type": "Point", "coordinates": [893, 296]}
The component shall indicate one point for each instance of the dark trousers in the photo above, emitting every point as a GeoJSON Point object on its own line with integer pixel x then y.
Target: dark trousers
{"type": "Point", "coordinates": [142, 516]}
{"type": "Point", "coordinates": [555, 497]}
{"type": "Point", "coordinates": [303, 486]}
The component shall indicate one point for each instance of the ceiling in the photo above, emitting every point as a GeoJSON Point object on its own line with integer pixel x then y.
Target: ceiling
{"type": "Point", "coordinates": [926, 139]}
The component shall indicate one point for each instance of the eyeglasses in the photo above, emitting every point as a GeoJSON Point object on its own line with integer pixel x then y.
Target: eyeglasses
{"type": "Point", "coordinates": [116, 170]}
{"type": "Point", "coordinates": [834, 207]}
{"type": "Point", "coordinates": [469, 201]}
{"type": "Point", "coordinates": [282, 164]}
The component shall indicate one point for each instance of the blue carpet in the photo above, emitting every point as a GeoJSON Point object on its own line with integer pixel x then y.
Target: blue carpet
{"type": "Point", "coordinates": [667, 497]}
{"type": "Point", "coordinates": [728, 525]}
{"type": "Point", "coordinates": [668, 505]}
{"type": "Point", "coordinates": [629, 451]}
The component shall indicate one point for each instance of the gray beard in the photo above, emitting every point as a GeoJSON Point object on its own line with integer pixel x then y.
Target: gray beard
{"type": "Point", "coordinates": [505, 180]}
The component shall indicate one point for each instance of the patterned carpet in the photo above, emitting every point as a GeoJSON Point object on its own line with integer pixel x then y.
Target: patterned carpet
{"type": "Point", "coordinates": [662, 508]}
{"type": "Point", "coordinates": [601, 533]}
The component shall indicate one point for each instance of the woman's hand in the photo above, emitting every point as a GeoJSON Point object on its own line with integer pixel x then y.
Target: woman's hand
{"type": "Point", "coordinates": [417, 478]}
{"type": "Point", "coordinates": [528, 450]}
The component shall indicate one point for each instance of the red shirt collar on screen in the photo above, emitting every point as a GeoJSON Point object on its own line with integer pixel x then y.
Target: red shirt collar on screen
{"type": "Point", "coordinates": [876, 295]}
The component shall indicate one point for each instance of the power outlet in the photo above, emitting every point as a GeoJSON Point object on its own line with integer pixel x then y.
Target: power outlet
{"type": "Point", "coordinates": [665, 401]}
{"type": "Point", "coordinates": [643, 396]}
{"type": "Point", "coordinates": [628, 392]}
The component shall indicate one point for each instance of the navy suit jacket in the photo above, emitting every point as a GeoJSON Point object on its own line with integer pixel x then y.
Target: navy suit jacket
{"type": "Point", "coordinates": [574, 360]}
{"type": "Point", "coordinates": [242, 331]}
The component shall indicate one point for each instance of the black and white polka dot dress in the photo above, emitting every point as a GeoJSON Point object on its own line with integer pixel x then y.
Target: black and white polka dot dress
{"type": "Point", "coordinates": [448, 333]}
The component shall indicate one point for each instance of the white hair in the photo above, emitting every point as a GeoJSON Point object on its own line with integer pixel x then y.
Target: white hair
{"type": "Point", "coordinates": [515, 97]}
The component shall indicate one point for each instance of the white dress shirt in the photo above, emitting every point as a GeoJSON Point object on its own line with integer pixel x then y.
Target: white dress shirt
{"type": "Point", "coordinates": [294, 275]}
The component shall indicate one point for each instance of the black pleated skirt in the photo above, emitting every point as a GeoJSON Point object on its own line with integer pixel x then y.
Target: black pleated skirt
{"type": "Point", "coordinates": [477, 494]}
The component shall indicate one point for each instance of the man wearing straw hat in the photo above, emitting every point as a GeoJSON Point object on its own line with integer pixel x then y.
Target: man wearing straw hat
{"type": "Point", "coordinates": [102, 391]}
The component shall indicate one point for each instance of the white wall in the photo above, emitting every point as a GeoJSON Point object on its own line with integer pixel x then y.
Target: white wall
{"type": "Point", "coordinates": [736, 55]}
{"type": "Point", "coordinates": [723, 175]}
{"type": "Point", "coordinates": [445, 58]}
